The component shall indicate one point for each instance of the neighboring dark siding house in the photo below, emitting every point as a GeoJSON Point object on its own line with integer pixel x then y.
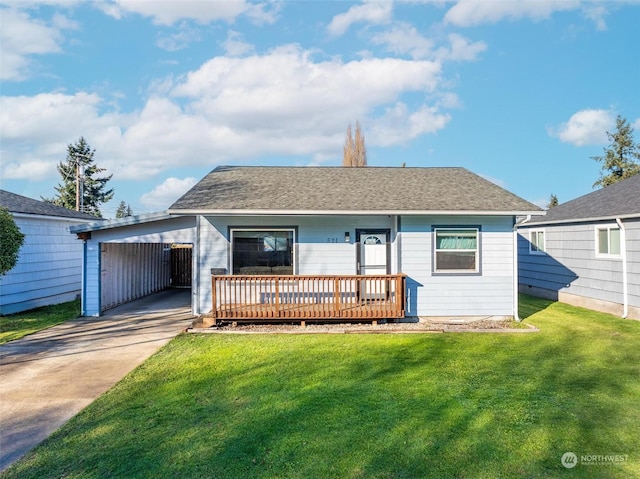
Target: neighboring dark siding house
{"type": "Point", "coordinates": [49, 268]}
{"type": "Point", "coordinates": [586, 251]}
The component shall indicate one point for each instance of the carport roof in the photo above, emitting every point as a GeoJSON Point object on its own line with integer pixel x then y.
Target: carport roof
{"type": "Point", "coordinates": [119, 222]}
{"type": "Point", "coordinates": [339, 191]}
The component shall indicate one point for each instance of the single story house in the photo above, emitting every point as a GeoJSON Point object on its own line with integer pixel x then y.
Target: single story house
{"type": "Point", "coordinates": [586, 252]}
{"type": "Point", "coordinates": [326, 242]}
{"type": "Point", "coordinates": [49, 267]}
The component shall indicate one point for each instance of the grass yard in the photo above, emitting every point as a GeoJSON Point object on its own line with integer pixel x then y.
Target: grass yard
{"type": "Point", "coordinates": [368, 406]}
{"type": "Point", "coordinates": [15, 326]}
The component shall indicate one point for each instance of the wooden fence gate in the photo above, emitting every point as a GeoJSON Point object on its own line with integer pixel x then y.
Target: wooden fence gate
{"type": "Point", "coordinates": [181, 261]}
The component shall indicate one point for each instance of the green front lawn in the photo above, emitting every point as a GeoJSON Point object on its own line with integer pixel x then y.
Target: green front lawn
{"type": "Point", "coordinates": [15, 326]}
{"type": "Point", "coordinates": [368, 406]}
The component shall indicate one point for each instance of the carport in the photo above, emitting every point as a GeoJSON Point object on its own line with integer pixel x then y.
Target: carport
{"type": "Point", "coordinates": [130, 258]}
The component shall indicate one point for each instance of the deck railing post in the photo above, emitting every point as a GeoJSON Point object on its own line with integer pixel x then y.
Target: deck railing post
{"type": "Point", "coordinates": [277, 299]}
{"type": "Point", "coordinates": [400, 294]}
{"type": "Point", "coordinates": [214, 309]}
{"type": "Point", "coordinates": [336, 296]}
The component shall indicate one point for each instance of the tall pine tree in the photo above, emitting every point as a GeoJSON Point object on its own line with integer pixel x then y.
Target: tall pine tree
{"type": "Point", "coordinates": [621, 158]}
{"type": "Point", "coordinates": [93, 192]}
{"type": "Point", "coordinates": [124, 210]}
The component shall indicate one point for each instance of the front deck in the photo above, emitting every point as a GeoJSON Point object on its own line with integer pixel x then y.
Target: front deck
{"type": "Point", "coordinates": [271, 298]}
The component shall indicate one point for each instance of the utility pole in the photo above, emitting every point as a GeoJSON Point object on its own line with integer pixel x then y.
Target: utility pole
{"type": "Point", "coordinates": [80, 181]}
{"type": "Point", "coordinates": [77, 184]}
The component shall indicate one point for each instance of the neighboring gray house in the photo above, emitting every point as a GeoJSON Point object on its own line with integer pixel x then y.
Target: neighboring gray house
{"type": "Point", "coordinates": [586, 251]}
{"type": "Point", "coordinates": [49, 268]}
{"type": "Point", "coordinates": [445, 234]}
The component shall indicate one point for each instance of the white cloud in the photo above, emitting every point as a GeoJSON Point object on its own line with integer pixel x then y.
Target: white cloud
{"type": "Point", "coordinates": [234, 45]}
{"type": "Point", "coordinates": [167, 193]}
{"type": "Point", "coordinates": [375, 12]}
{"type": "Point", "coordinates": [586, 127]}
{"type": "Point", "coordinates": [636, 125]}
{"type": "Point", "coordinates": [596, 13]}
{"type": "Point", "coordinates": [61, 22]}
{"type": "Point", "coordinates": [467, 13]}
{"type": "Point", "coordinates": [399, 125]}
{"type": "Point", "coordinates": [461, 49]}
{"type": "Point", "coordinates": [402, 39]}
{"type": "Point", "coordinates": [180, 39]}
{"type": "Point", "coordinates": [449, 100]}
{"type": "Point", "coordinates": [286, 84]}
{"type": "Point", "coordinates": [170, 12]}
{"type": "Point", "coordinates": [21, 37]}
{"type": "Point", "coordinates": [32, 169]}
{"type": "Point", "coordinates": [263, 13]}
{"type": "Point", "coordinates": [230, 109]}
{"type": "Point", "coordinates": [47, 116]}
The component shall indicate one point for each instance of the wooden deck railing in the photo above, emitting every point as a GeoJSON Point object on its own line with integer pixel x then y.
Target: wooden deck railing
{"type": "Point", "coordinates": [300, 298]}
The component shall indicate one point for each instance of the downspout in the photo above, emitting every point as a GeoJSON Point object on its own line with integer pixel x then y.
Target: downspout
{"type": "Point", "coordinates": [83, 291]}
{"type": "Point", "coordinates": [195, 281]}
{"type": "Point", "coordinates": [516, 314]}
{"type": "Point", "coordinates": [623, 252]}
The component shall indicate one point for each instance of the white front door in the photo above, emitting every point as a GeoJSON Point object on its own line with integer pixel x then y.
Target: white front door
{"type": "Point", "coordinates": [372, 261]}
{"type": "Point", "coordinates": [373, 253]}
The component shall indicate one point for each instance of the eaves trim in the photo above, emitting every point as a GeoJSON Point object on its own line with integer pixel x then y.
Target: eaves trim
{"type": "Point", "coordinates": [263, 212]}
{"type": "Point", "coordinates": [578, 220]}
{"type": "Point", "coordinates": [120, 222]}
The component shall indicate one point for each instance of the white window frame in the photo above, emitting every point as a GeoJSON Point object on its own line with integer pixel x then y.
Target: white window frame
{"type": "Point", "coordinates": [534, 247]}
{"type": "Point", "coordinates": [293, 230]}
{"type": "Point", "coordinates": [474, 271]}
{"type": "Point", "coordinates": [608, 228]}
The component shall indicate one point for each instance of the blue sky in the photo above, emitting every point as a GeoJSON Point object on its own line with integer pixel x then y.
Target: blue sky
{"type": "Point", "coordinates": [520, 92]}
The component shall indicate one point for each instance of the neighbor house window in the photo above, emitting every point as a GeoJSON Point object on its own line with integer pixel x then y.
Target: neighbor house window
{"type": "Point", "coordinates": [536, 242]}
{"type": "Point", "coordinates": [608, 241]}
{"type": "Point", "coordinates": [456, 250]}
{"type": "Point", "coordinates": [259, 251]}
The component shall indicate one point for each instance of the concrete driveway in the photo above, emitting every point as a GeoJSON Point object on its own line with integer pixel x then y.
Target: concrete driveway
{"type": "Point", "coordinates": [50, 376]}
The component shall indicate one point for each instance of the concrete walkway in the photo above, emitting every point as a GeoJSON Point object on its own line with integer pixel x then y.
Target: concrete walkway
{"type": "Point", "coordinates": [48, 377]}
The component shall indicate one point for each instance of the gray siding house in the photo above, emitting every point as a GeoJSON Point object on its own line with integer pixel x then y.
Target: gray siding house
{"type": "Point", "coordinates": [586, 252]}
{"type": "Point", "coordinates": [448, 233]}
{"type": "Point", "coordinates": [49, 268]}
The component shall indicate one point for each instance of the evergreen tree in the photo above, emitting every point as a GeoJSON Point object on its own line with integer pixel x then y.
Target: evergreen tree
{"type": "Point", "coordinates": [553, 201]}
{"type": "Point", "coordinates": [92, 187]}
{"type": "Point", "coordinates": [11, 239]}
{"type": "Point", "coordinates": [124, 210]}
{"type": "Point", "coordinates": [355, 151]}
{"type": "Point", "coordinates": [621, 158]}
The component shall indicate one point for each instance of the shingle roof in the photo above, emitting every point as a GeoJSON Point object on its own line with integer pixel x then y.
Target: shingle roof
{"type": "Point", "coordinates": [21, 204]}
{"type": "Point", "coordinates": [339, 189]}
{"type": "Point", "coordinates": [613, 201]}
